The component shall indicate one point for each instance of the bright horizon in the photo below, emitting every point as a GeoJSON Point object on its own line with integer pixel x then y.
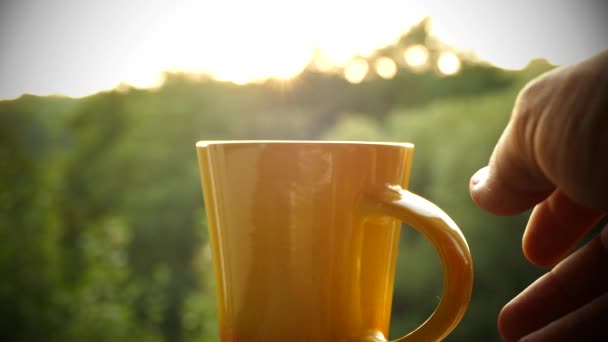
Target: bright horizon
{"type": "Point", "coordinates": [77, 48]}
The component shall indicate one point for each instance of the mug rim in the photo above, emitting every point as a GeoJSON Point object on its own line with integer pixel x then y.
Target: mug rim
{"type": "Point", "coordinates": [206, 143]}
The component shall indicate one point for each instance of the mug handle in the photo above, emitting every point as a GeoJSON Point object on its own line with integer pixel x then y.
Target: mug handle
{"type": "Point", "coordinates": [453, 251]}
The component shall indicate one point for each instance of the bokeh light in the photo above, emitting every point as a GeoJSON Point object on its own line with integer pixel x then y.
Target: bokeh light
{"type": "Point", "coordinates": [356, 70]}
{"type": "Point", "coordinates": [321, 61]}
{"type": "Point", "coordinates": [448, 63]}
{"type": "Point", "coordinates": [385, 67]}
{"type": "Point", "coordinates": [416, 56]}
{"type": "Point", "coordinates": [77, 48]}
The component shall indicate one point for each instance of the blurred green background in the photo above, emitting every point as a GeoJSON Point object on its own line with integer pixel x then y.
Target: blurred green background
{"type": "Point", "coordinates": [102, 228]}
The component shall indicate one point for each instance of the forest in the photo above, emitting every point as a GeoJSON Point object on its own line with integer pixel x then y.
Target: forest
{"type": "Point", "coordinates": [102, 226]}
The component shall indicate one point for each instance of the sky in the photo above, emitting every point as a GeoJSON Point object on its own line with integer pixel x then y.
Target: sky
{"type": "Point", "coordinates": [77, 48]}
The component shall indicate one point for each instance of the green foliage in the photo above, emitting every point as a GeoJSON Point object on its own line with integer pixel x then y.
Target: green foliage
{"type": "Point", "coordinates": [29, 226]}
{"type": "Point", "coordinates": [453, 137]}
{"type": "Point", "coordinates": [356, 127]}
{"type": "Point", "coordinates": [102, 230]}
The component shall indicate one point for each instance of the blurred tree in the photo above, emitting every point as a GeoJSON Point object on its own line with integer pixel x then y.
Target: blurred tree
{"type": "Point", "coordinates": [102, 233]}
{"type": "Point", "coordinates": [30, 260]}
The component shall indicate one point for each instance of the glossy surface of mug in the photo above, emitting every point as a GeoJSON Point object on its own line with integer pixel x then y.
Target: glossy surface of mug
{"type": "Point", "coordinates": [304, 239]}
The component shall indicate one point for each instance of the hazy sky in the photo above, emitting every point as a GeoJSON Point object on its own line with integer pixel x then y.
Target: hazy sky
{"type": "Point", "coordinates": [80, 47]}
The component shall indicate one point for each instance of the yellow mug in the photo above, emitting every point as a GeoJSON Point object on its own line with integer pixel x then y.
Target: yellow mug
{"type": "Point", "coordinates": [304, 238]}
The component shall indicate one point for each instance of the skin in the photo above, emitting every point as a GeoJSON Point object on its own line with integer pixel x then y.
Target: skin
{"type": "Point", "coordinates": [553, 156]}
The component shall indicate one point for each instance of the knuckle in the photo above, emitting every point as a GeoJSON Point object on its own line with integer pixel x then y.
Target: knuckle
{"type": "Point", "coordinates": [526, 118]}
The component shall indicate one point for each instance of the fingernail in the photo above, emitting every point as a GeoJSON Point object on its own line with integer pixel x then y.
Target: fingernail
{"type": "Point", "coordinates": [479, 178]}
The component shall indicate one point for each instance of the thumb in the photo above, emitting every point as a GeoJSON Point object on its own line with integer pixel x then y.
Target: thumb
{"type": "Point", "coordinates": [556, 138]}
{"type": "Point", "coordinates": [511, 183]}
{"type": "Point", "coordinates": [553, 151]}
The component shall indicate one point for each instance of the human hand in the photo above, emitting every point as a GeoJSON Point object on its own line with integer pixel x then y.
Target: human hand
{"type": "Point", "coordinates": [553, 155]}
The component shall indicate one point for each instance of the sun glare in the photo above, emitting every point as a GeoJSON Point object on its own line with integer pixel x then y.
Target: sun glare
{"type": "Point", "coordinates": [255, 64]}
{"type": "Point", "coordinates": [321, 61]}
{"type": "Point", "coordinates": [356, 70]}
{"type": "Point", "coordinates": [89, 48]}
{"type": "Point", "coordinates": [448, 63]}
{"type": "Point", "coordinates": [144, 78]}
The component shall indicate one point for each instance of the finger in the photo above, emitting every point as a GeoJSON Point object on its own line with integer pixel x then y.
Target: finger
{"type": "Point", "coordinates": [555, 226]}
{"type": "Point", "coordinates": [514, 181]}
{"type": "Point", "coordinates": [556, 138]}
{"type": "Point", "coordinates": [588, 323]}
{"type": "Point", "coordinates": [510, 183]}
{"type": "Point", "coordinates": [574, 282]}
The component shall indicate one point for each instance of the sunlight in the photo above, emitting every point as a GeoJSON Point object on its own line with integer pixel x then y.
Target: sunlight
{"type": "Point", "coordinates": [259, 66]}
{"type": "Point", "coordinates": [448, 63]}
{"type": "Point", "coordinates": [416, 57]}
{"type": "Point", "coordinates": [356, 70]}
{"type": "Point", "coordinates": [386, 67]}
{"type": "Point", "coordinates": [286, 68]}
{"type": "Point", "coordinates": [89, 47]}
{"type": "Point", "coordinates": [321, 61]}
{"type": "Point", "coordinates": [143, 78]}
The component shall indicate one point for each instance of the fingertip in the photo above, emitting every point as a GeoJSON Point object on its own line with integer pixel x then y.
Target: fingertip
{"type": "Point", "coordinates": [494, 194]}
{"type": "Point", "coordinates": [554, 228]}
{"type": "Point", "coordinates": [539, 260]}
{"type": "Point", "coordinates": [537, 249]}
{"type": "Point", "coordinates": [529, 310]}
{"type": "Point", "coordinates": [479, 178]}
{"type": "Point", "coordinates": [505, 322]}
{"type": "Point", "coordinates": [539, 257]}
{"type": "Point", "coordinates": [476, 186]}
{"type": "Point", "coordinates": [502, 324]}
